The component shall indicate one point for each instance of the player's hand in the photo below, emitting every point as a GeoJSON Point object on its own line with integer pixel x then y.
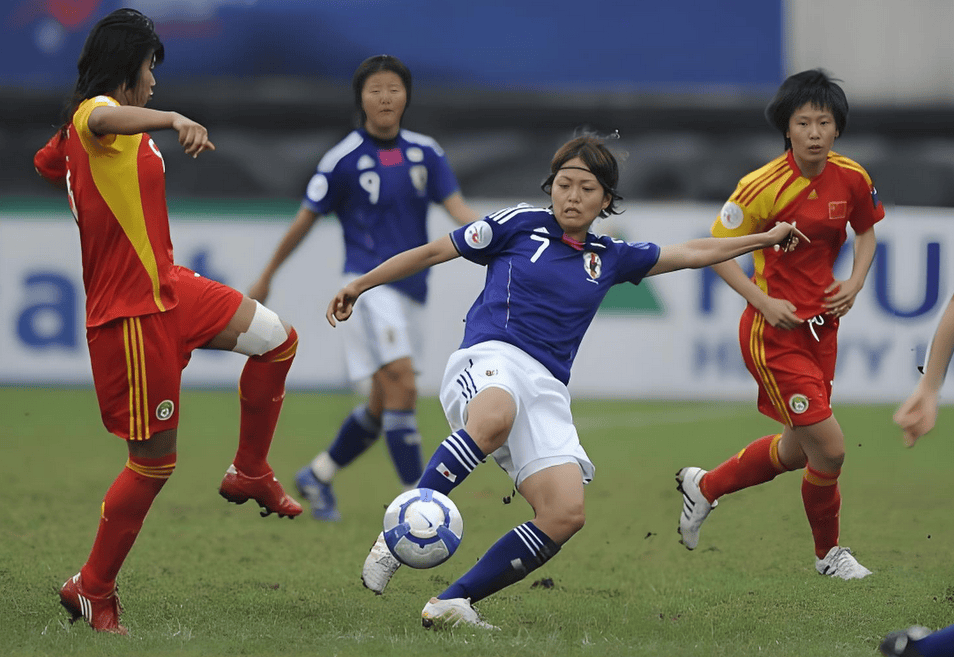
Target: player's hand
{"type": "Point", "coordinates": [259, 290]}
{"type": "Point", "coordinates": [193, 137]}
{"type": "Point", "coordinates": [342, 304]}
{"type": "Point", "coordinates": [785, 236]}
{"type": "Point", "coordinates": [840, 297]}
{"type": "Point", "coordinates": [917, 415]}
{"type": "Point", "coordinates": [780, 313]}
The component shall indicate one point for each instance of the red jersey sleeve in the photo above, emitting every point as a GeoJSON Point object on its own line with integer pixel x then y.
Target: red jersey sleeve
{"type": "Point", "coordinates": [50, 161]}
{"type": "Point", "coordinates": [868, 210]}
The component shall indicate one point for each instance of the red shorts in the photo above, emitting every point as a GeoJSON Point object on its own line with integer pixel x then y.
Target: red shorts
{"type": "Point", "coordinates": [138, 361]}
{"type": "Point", "coordinates": [794, 368]}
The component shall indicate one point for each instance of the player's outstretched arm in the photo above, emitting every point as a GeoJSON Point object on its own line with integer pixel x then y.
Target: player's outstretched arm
{"type": "Point", "coordinates": [131, 120]}
{"type": "Point", "coordinates": [299, 228]}
{"type": "Point", "coordinates": [711, 250]}
{"type": "Point", "coordinates": [918, 414]}
{"type": "Point", "coordinates": [393, 269]}
{"type": "Point", "coordinates": [458, 209]}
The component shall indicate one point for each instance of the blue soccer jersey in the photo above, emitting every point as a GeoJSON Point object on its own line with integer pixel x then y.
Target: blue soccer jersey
{"type": "Point", "coordinates": [381, 191]}
{"type": "Point", "coordinates": [541, 293]}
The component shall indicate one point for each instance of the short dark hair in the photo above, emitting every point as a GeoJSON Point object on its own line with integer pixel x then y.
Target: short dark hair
{"type": "Point", "coordinates": [373, 65]}
{"type": "Point", "coordinates": [598, 159]}
{"type": "Point", "coordinates": [113, 55]}
{"type": "Point", "coordinates": [814, 86]}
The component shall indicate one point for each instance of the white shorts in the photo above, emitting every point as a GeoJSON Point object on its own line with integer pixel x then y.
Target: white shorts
{"type": "Point", "coordinates": [384, 327]}
{"type": "Point", "coordinates": [543, 434]}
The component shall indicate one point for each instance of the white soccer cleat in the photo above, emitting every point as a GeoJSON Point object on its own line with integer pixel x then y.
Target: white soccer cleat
{"type": "Point", "coordinates": [442, 614]}
{"type": "Point", "coordinates": [379, 567]}
{"type": "Point", "coordinates": [695, 506]}
{"type": "Point", "coordinates": [840, 563]}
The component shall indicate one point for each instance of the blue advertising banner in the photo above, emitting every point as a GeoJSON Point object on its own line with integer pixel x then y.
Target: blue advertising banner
{"type": "Point", "coordinates": [562, 45]}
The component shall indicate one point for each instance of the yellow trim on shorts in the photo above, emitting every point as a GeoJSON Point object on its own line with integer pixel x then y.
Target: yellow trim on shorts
{"type": "Point", "coordinates": [757, 351]}
{"type": "Point", "coordinates": [133, 344]}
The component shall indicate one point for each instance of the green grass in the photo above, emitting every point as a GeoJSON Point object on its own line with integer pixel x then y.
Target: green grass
{"type": "Point", "coordinates": [211, 578]}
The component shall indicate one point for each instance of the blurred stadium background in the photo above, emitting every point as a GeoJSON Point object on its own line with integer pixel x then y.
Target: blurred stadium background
{"type": "Point", "coordinates": [500, 84]}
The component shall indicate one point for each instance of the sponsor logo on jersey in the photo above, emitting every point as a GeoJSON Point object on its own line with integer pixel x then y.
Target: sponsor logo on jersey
{"type": "Point", "coordinates": [731, 215]}
{"type": "Point", "coordinates": [593, 265]}
{"type": "Point", "coordinates": [415, 154]}
{"type": "Point", "coordinates": [478, 234]}
{"type": "Point", "coordinates": [813, 195]}
{"type": "Point", "coordinates": [165, 409]}
{"type": "Point", "coordinates": [798, 403]}
{"type": "Point", "coordinates": [874, 196]}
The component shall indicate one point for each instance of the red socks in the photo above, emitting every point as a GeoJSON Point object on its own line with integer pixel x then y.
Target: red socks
{"type": "Point", "coordinates": [822, 506]}
{"type": "Point", "coordinates": [754, 465]}
{"type": "Point", "coordinates": [261, 392]}
{"type": "Point", "coordinates": [759, 463]}
{"type": "Point", "coordinates": [124, 508]}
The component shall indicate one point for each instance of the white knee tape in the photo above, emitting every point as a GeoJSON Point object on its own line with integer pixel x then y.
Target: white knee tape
{"type": "Point", "coordinates": [264, 333]}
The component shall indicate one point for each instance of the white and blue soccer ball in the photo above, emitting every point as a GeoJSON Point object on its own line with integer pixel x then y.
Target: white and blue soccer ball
{"type": "Point", "coordinates": [422, 528]}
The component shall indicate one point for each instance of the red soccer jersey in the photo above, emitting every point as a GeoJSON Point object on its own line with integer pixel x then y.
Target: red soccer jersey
{"type": "Point", "coordinates": [822, 207]}
{"type": "Point", "coordinates": [116, 188]}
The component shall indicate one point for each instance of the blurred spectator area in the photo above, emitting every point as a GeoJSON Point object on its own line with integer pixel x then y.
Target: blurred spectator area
{"type": "Point", "coordinates": [271, 132]}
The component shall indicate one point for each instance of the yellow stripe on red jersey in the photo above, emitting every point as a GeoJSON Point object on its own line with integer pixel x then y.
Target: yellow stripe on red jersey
{"type": "Point", "coordinates": [822, 207]}
{"type": "Point", "coordinates": [116, 185]}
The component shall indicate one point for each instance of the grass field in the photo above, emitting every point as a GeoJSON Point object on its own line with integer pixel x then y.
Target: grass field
{"type": "Point", "coordinates": [211, 578]}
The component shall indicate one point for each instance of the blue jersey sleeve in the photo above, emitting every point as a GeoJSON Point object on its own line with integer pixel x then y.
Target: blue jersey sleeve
{"type": "Point", "coordinates": [483, 240]}
{"type": "Point", "coordinates": [635, 260]}
{"type": "Point", "coordinates": [325, 189]}
{"type": "Point", "coordinates": [319, 197]}
{"type": "Point", "coordinates": [441, 182]}
{"type": "Point", "coordinates": [478, 241]}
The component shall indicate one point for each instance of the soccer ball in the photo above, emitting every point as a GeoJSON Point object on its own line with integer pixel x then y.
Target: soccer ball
{"type": "Point", "coordinates": [422, 528]}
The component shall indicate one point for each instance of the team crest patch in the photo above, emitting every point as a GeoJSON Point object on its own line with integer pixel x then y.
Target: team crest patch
{"type": "Point", "coordinates": [798, 403]}
{"type": "Point", "coordinates": [478, 234]}
{"type": "Point", "coordinates": [165, 409]}
{"type": "Point", "coordinates": [731, 215]}
{"type": "Point", "coordinates": [592, 264]}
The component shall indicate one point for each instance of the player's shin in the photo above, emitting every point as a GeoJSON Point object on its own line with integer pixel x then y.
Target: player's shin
{"type": "Point", "coordinates": [756, 464]}
{"type": "Point", "coordinates": [357, 433]}
{"type": "Point", "coordinates": [404, 444]}
{"type": "Point", "coordinates": [822, 501]}
{"type": "Point", "coordinates": [124, 508]}
{"type": "Point", "coordinates": [453, 460]}
{"type": "Point", "coordinates": [518, 553]}
{"type": "Point", "coordinates": [261, 393]}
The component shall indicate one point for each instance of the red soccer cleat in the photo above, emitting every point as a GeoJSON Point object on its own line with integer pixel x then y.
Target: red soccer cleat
{"type": "Point", "coordinates": [101, 612]}
{"type": "Point", "coordinates": [239, 488]}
